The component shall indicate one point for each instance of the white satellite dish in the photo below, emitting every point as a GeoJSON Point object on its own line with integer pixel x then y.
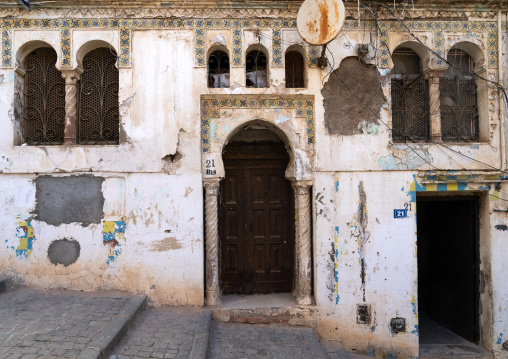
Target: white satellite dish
{"type": "Point", "coordinates": [320, 21]}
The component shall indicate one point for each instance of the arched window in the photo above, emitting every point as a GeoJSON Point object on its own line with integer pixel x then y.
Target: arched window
{"type": "Point", "coordinates": [294, 70]}
{"type": "Point", "coordinates": [44, 99]}
{"type": "Point", "coordinates": [98, 118]}
{"type": "Point", "coordinates": [409, 90]}
{"type": "Point", "coordinates": [218, 69]}
{"type": "Point", "coordinates": [256, 69]}
{"type": "Point", "coordinates": [458, 98]}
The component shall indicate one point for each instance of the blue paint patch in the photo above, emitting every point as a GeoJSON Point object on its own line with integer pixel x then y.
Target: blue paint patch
{"type": "Point", "coordinates": [337, 230]}
{"type": "Point", "coordinates": [484, 188]}
{"type": "Point", "coordinates": [227, 129]}
{"type": "Point", "coordinates": [373, 328]}
{"type": "Point", "coordinates": [281, 118]}
{"type": "Point", "coordinates": [337, 299]}
{"type": "Point", "coordinates": [213, 128]}
{"type": "Point", "coordinates": [336, 186]}
{"type": "Point", "coordinates": [411, 160]}
{"type": "Point", "coordinates": [153, 286]}
{"type": "Point", "coordinates": [391, 356]}
{"type": "Point", "coordinates": [372, 353]}
{"type": "Point", "coordinates": [500, 339]}
{"type": "Point", "coordinates": [415, 331]}
{"type": "Point", "coordinates": [475, 147]}
{"type": "Point", "coordinates": [106, 237]}
{"type": "Point", "coordinates": [11, 77]}
{"type": "Point", "coordinates": [461, 186]}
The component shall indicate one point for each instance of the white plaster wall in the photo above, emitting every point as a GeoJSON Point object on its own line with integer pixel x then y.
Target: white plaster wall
{"type": "Point", "coordinates": [389, 252]}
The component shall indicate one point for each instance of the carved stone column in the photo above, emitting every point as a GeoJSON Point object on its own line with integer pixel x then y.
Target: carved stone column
{"type": "Point", "coordinates": [212, 289]}
{"type": "Point", "coordinates": [303, 240]}
{"type": "Point", "coordinates": [433, 77]}
{"type": "Point", "coordinates": [71, 79]}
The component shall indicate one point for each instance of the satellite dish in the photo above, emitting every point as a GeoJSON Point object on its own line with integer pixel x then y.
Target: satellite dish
{"type": "Point", "coordinates": [320, 21]}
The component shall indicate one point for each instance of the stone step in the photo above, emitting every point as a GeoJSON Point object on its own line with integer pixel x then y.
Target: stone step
{"type": "Point", "coordinates": [264, 309]}
{"type": "Point", "coordinates": [454, 351]}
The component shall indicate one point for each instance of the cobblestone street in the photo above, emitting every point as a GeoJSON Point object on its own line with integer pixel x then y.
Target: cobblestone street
{"type": "Point", "coordinates": [264, 341]}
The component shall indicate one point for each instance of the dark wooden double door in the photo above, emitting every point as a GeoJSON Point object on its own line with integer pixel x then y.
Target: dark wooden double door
{"type": "Point", "coordinates": [256, 227]}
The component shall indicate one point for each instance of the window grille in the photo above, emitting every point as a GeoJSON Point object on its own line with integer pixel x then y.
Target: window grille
{"type": "Point", "coordinates": [458, 99]}
{"type": "Point", "coordinates": [294, 70]}
{"type": "Point", "coordinates": [98, 118]}
{"type": "Point", "coordinates": [218, 70]}
{"type": "Point", "coordinates": [256, 69]}
{"type": "Point", "coordinates": [410, 113]}
{"type": "Point", "coordinates": [44, 99]}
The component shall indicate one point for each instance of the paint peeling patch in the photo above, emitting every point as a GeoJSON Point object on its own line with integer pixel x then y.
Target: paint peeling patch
{"type": "Point", "coordinates": [114, 253]}
{"type": "Point", "coordinates": [165, 244]}
{"type": "Point", "coordinates": [336, 185]}
{"type": "Point", "coordinates": [281, 119]}
{"type": "Point", "coordinates": [25, 237]}
{"type": "Point", "coordinates": [227, 129]}
{"type": "Point", "coordinates": [475, 147]}
{"type": "Point", "coordinates": [336, 270]}
{"type": "Point", "coordinates": [369, 128]}
{"type": "Point", "coordinates": [501, 227]}
{"type": "Point", "coordinates": [112, 233]}
{"type": "Point", "coordinates": [415, 330]}
{"type": "Point", "coordinates": [405, 159]}
{"type": "Point", "coordinates": [413, 304]}
{"type": "Point", "coordinates": [152, 287]}
{"type": "Point", "coordinates": [500, 338]}
{"type": "Point", "coordinates": [363, 235]}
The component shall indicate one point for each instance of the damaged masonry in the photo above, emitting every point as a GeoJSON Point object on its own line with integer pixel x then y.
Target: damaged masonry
{"type": "Point", "coordinates": [203, 149]}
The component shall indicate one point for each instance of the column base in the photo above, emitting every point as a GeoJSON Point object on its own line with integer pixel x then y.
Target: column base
{"type": "Point", "coordinates": [213, 297]}
{"type": "Point", "coordinates": [304, 300]}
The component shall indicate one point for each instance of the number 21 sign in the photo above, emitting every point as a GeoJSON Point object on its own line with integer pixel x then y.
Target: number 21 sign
{"type": "Point", "coordinates": [399, 213]}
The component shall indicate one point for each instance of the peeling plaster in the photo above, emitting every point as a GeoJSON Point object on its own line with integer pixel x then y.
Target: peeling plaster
{"type": "Point", "coordinates": [25, 236]}
{"type": "Point", "coordinates": [165, 244]}
{"type": "Point", "coordinates": [405, 159]}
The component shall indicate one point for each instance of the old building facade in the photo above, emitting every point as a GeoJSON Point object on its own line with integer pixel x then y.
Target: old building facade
{"type": "Point", "coordinates": [196, 149]}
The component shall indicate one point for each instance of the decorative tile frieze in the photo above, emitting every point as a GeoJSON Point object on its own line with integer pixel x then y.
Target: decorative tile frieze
{"type": "Point", "coordinates": [210, 109]}
{"type": "Point", "coordinates": [199, 26]}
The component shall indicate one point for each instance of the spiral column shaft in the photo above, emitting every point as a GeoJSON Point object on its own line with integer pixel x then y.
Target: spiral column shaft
{"type": "Point", "coordinates": [434, 104]}
{"type": "Point", "coordinates": [212, 290]}
{"type": "Point", "coordinates": [71, 80]}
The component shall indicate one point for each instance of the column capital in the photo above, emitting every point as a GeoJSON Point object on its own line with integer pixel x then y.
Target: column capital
{"type": "Point", "coordinates": [433, 75]}
{"type": "Point", "coordinates": [72, 76]}
{"type": "Point", "coordinates": [302, 185]}
{"type": "Point", "coordinates": [211, 186]}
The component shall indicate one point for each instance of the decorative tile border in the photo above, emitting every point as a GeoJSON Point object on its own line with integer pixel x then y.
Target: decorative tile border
{"type": "Point", "coordinates": [236, 25]}
{"type": "Point", "coordinates": [210, 109]}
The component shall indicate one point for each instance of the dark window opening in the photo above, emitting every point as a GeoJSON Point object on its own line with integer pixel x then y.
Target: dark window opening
{"type": "Point", "coordinates": [294, 70]}
{"type": "Point", "coordinates": [256, 69]}
{"type": "Point", "coordinates": [218, 70]}
{"type": "Point", "coordinates": [458, 99]}
{"type": "Point", "coordinates": [410, 98]}
{"type": "Point", "coordinates": [44, 99]}
{"type": "Point", "coordinates": [98, 117]}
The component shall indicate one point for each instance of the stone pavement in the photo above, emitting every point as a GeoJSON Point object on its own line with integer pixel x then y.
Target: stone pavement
{"type": "Point", "coordinates": [168, 332]}
{"type": "Point", "coordinates": [234, 340]}
{"type": "Point", "coordinates": [63, 324]}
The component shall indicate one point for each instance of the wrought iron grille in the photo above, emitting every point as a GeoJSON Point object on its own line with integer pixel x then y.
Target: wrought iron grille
{"type": "Point", "coordinates": [410, 109]}
{"type": "Point", "coordinates": [294, 70]}
{"type": "Point", "coordinates": [459, 110]}
{"type": "Point", "coordinates": [98, 119]}
{"type": "Point", "coordinates": [256, 74]}
{"type": "Point", "coordinates": [218, 70]}
{"type": "Point", "coordinates": [44, 92]}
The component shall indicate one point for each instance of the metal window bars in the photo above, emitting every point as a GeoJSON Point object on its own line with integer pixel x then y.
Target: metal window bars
{"type": "Point", "coordinates": [218, 70]}
{"type": "Point", "coordinates": [44, 99]}
{"type": "Point", "coordinates": [256, 69]}
{"type": "Point", "coordinates": [459, 109]}
{"type": "Point", "coordinates": [410, 108]}
{"type": "Point", "coordinates": [98, 115]}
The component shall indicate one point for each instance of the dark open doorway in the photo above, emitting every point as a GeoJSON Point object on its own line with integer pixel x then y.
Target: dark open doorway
{"type": "Point", "coordinates": [256, 214]}
{"type": "Point", "coordinates": [448, 258]}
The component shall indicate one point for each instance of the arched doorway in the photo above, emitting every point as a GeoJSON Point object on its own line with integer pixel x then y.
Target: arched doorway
{"type": "Point", "coordinates": [256, 214]}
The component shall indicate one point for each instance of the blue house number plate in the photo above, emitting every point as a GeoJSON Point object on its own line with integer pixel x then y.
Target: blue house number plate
{"type": "Point", "coordinates": [400, 213]}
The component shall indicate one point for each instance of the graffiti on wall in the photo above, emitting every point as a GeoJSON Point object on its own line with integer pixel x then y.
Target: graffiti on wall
{"type": "Point", "coordinates": [112, 233]}
{"type": "Point", "coordinates": [25, 237]}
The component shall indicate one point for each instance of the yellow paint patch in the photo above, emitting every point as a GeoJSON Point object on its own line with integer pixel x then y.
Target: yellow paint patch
{"type": "Point", "coordinates": [452, 187]}
{"type": "Point", "coordinates": [30, 232]}
{"type": "Point", "coordinates": [412, 187]}
{"type": "Point", "coordinates": [109, 227]}
{"type": "Point", "coordinates": [23, 244]}
{"type": "Point", "coordinates": [431, 187]}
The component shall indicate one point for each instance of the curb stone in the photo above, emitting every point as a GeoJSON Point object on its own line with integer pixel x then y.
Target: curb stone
{"type": "Point", "coordinates": [113, 333]}
{"type": "Point", "coordinates": [201, 336]}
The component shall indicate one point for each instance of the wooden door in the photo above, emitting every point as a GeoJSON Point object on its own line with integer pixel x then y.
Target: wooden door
{"type": "Point", "coordinates": [257, 245]}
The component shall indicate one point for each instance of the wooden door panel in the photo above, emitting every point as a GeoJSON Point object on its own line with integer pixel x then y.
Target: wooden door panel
{"type": "Point", "coordinates": [257, 247]}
